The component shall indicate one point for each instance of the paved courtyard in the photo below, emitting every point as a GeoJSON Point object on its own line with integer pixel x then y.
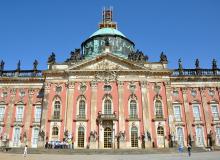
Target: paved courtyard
{"type": "Point", "coordinates": [175, 156]}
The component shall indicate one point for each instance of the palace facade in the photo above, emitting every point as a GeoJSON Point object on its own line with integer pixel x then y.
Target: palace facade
{"type": "Point", "coordinates": [108, 95]}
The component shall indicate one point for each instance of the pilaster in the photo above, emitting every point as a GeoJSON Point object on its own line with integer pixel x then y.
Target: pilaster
{"type": "Point", "coordinates": [94, 144]}
{"type": "Point", "coordinates": [146, 116]}
{"type": "Point", "coordinates": [69, 107]}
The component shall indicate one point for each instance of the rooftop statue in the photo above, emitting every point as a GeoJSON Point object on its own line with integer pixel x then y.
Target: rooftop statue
{"type": "Point", "coordinates": [214, 64]}
{"type": "Point", "coordinates": [180, 64]}
{"type": "Point", "coordinates": [2, 65]}
{"type": "Point", "coordinates": [52, 58]}
{"type": "Point", "coordinates": [137, 56]}
{"type": "Point", "coordinates": [197, 63]}
{"type": "Point", "coordinates": [75, 56]}
{"type": "Point", "coordinates": [35, 64]}
{"type": "Point", "coordinates": [18, 66]}
{"type": "Point", "coordinates": [163, 57]}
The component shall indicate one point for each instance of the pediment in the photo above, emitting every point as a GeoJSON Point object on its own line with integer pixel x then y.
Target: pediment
{"type": "Point", "coordinates": [107, 62]}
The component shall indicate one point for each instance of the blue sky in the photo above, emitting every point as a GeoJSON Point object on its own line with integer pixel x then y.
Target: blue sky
{"type": "Point", "coordinates": [32, 29]}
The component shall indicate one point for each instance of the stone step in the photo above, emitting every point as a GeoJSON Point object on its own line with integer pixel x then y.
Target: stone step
{"type": "Point", "coordinates": [100, 151]}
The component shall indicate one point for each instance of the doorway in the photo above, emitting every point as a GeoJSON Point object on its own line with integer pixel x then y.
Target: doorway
{"type": "Point", "coordinates": [107, 138]}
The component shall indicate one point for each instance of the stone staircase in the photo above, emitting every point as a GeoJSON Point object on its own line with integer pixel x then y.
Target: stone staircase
{"type": "Point", "coordinates": [100, 151]}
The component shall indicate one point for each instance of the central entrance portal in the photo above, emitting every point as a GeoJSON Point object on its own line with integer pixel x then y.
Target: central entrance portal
{"type": "Point", "coordinates": [107, 138]}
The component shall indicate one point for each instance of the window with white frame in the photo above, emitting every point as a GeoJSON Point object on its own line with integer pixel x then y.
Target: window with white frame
{"type": "Point", "coordinates": [180, 137]}
{"type": "Point", "coordinates": [107, 106]}
{"type": "Point", "coordinates": [16, 138]}
{"type": "Point", "coordinates": [214, 108]}
{"type": "Point", "coordinates": [177, 112]}
{"type": "Point", "coordinates": [134, 136]}
{"type": "Point", "coordinates": [199, 136]}
{"type": "Point", "coordinates": [218, 136]}
{"type": "Point", "coordinates": [158, 109]}
{"type": "Point", "coordinates": [19, 113]}
{"type": "Point", "coordinates": [37, 114]}
{"type": "Point", "coordinates": [81, 139]}
{"type": "Point", "coordinates": [55, 131]}
{"type": "Point", "coordinates": [56, 111]}
{"type": "Point", "coordinates": [196, 112]}
{"type": "Point", "coordinates": [2, 112]}
{"type": "Point", "coordinates": [82, 107]}
{"type": "Point", "coordinates": [133, 109]}
{"type": "Point", "coordinates": [35, 136]}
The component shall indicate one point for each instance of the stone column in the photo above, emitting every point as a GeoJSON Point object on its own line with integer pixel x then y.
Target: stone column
{"type": "Point", "coordinates": [69, 107]}
{"type": "Point", "coordinates": [122, 142]}
{"type": "Point", "coordinates": [170, 115]}
{"type": "Point", "coordinates": [146, 116]}
{"type": "Point", "coordinates": [44, 119]}
{"type": "Point", "coordinates": [206, 114]}
{"type": "Point", "coordinates": [9, 118]}
{"type": "Point", "coordinates": [29, 107]}
{"type": "Point", "coordinates": [94, 143]}
{"type": "Point", "coordinates": [187, 113]}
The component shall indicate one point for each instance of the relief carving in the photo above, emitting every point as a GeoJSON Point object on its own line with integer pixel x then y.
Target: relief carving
{"type": "Point", "coordinates": [106, 76]}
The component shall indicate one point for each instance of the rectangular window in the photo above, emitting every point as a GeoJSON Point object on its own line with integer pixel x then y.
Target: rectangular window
{"type": "Point", "coordinates": [2, 112]}
{"type": "Point", "coordinates": [16, 138]}
{"type": "Point", "coordinates": [19, 113]}
{"type": "Point", "coordinates": [177, 112]}
{"type": "Point", "coordinates": [196, 112]}
{"type": "Point", "coordinates": [37, 114]}
{"type": "Point", "coordinates": [215, 114]}
{"type": "Point", "coordinates": [218, 136]}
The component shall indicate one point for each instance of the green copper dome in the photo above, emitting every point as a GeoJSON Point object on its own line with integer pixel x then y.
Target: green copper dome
{"type": "Point", "coordinates": [95, 44]}
{"type": "Point", "coordinates": [107, 31]}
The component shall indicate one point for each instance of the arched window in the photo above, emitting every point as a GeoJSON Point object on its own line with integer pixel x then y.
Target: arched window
{"type": "Point", "coordinates": [56, 112]}
{"type": "Point", "coordinates": [107, 107]}
{"type": "Point", "coordinates": [160, 131]}
{"type": "Point", "coordinates": [55, 131]}
{"type": "Point", "coordinates": [133, 109]}
{"type": "Point", "coordinates": [158, 109]}
{"type": "Point", "coordinates": [134, 137]}
{"type": "Point", "coordinates": [82, 109]}
{"type": "Point", "coordinates": [81, 137]}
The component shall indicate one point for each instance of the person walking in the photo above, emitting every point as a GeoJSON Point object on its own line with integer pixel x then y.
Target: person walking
{"type": "Point", "coordinates": [189, 149]}
{"type": "Point", "coordinates": [25, 151]}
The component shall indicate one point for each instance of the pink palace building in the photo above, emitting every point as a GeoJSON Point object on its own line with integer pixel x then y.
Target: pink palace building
{"type": "Point", "coordinates": [108, 95]}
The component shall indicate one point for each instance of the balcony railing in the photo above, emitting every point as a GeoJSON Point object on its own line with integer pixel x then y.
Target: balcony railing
{"type": "Point", "coordinates": [133, 117]}
{"type": "Point", "coordinates": [159, 116]}
{"type": "Point", "coordinates": [107, 117]}
{"type": "Point", "coordinates": [56, 118]}
{"type": "Point", "coordinates": [196, 72]}
{"type": "Point", "coordinates": [21, 73]}
{"type": "Point", "coordinates": [81, 117]}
